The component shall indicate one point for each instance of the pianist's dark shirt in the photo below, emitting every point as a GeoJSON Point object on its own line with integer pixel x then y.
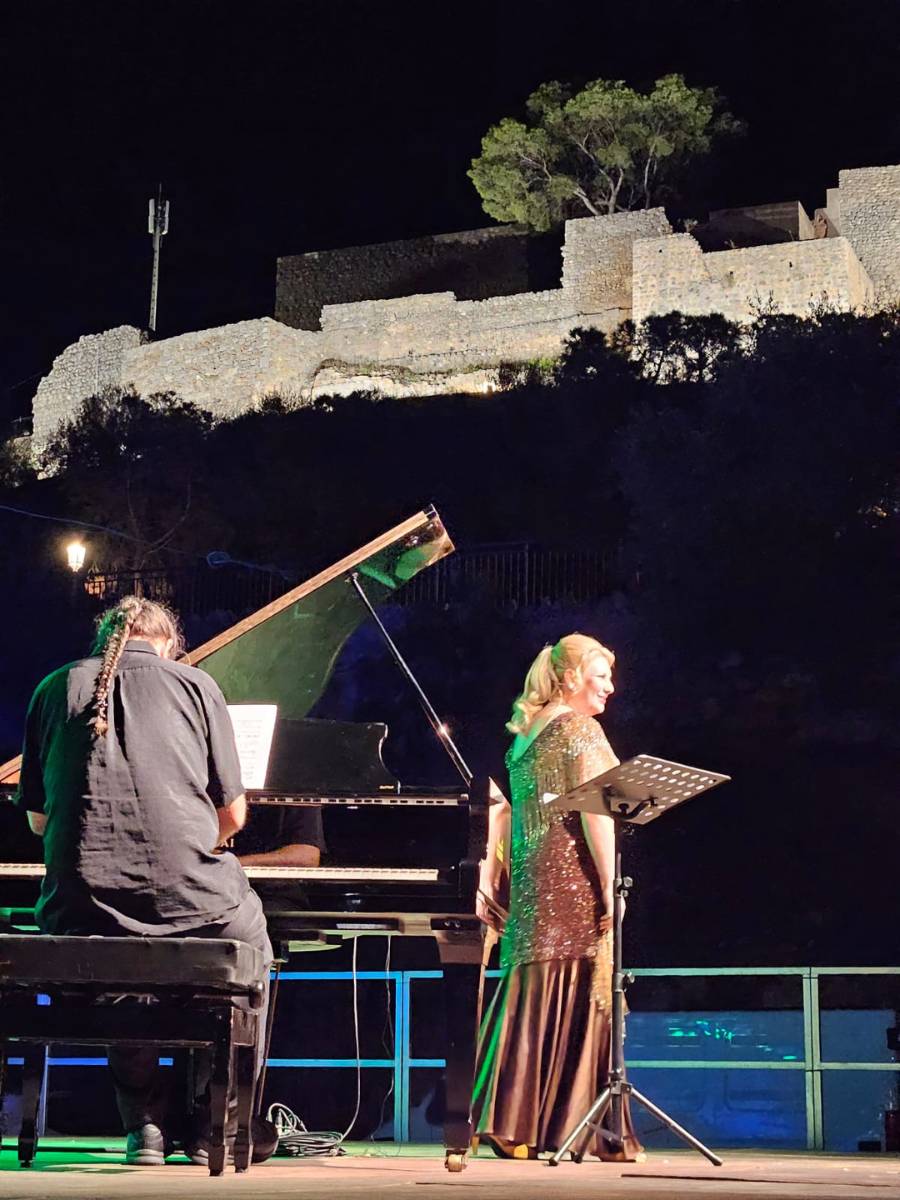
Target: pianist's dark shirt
{"type": "Point", "coordinates": [131, 817]}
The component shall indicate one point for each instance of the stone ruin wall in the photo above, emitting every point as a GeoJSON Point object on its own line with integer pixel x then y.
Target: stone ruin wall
{"type": "Point", "coordinates": [226, 370]}
{"type": "Point", "coordinates": [474, 264]}
{"type": "Point", "coordinates": [628, 264]}
{"type": "Point", "coordinates": [673, 273]}
{"type": "Point", "coordinates": [84, 368]}
{"type": "Point", "coordinates": [417, 344]}
{"type": "Point", "coordinates": [866, 211]}
{"type": "Point", "coordinates": [414, 345]}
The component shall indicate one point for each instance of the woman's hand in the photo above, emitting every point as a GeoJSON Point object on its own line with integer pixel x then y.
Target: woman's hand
{"type": "Point", "coordinates": [608, 906]}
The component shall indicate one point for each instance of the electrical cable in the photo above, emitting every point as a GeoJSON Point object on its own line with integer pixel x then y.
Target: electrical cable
{"type": "Point", "coordinates": [388, 1045]}
{"type": "Point", "coordinates": [294, 1138]}
{"type": "Point", "coordinates": [356, 1040]}
{"type": "Point", "coordinates": [387, 1032]}
{"type": "Point", "coordinates": [23, 512]}
{"type": "Point", "coordinates": [270, 1024]}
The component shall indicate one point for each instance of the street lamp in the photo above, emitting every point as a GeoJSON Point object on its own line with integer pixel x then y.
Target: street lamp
{"type": "Point", "coordinates": [75, 552]}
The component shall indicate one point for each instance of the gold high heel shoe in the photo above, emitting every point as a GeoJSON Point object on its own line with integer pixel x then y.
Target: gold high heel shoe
{"type": "Point", "coordinates": [502, 1149]}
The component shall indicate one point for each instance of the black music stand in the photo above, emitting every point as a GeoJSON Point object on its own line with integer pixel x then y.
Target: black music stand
{"type": "Point", "coordinates": [634, 793]}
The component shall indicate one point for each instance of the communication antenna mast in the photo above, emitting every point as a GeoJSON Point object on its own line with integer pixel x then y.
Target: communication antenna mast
{"type": "Point", "coordinates": [157, 225]}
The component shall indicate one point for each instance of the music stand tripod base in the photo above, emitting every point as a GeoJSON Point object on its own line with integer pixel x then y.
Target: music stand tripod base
{"type": "Point", "coordinates": [633, 793]}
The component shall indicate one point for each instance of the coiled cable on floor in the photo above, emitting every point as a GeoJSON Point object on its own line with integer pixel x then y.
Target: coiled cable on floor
{"type": "Point", "coordinates": [296, 1140]}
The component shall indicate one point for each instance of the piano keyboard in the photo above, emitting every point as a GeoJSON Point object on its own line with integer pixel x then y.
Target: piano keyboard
{"type": "Point", "coordinates": [347, 874]}
{"type": "Point", "coordinates": [285, 874]}
{"type": "Point", "coordinates": [392, 799]}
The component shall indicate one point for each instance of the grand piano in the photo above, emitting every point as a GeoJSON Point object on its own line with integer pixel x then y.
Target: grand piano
{"type": "Point", "coordinates": [441, 865]}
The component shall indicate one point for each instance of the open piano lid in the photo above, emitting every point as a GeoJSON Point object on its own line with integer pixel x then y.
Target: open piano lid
{"type": "Point", "coordinates": [284, 653]}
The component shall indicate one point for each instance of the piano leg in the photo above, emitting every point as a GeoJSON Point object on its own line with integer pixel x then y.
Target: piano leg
{"type": "Point", "coordinates": [219, 1092]}
{"type": "Point", "coordinates": [463, 955]}
{"type": "Point", "coordinates": [245, 1072]}
{"type": "Point", "coordinates": [35, 1060]}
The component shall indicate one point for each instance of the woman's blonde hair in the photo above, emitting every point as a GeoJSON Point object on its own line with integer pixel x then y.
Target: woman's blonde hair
{"type": "Point", "coordinates": [132, 617]}
{"type": "Point", "coordinates": [545, 676]}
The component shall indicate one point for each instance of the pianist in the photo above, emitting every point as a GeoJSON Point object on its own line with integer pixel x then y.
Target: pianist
{"type": "Point", "coordinates": [130, 774]}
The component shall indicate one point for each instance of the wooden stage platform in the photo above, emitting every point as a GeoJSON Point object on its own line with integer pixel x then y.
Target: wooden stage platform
{"type": "Point", "coordinates": [81, 1171]}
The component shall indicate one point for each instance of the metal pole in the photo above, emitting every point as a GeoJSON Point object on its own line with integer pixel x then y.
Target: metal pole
{"type": "Point", "coordinates": [157, 225]}
{"type": "Point", "coordinates": [443, 733]}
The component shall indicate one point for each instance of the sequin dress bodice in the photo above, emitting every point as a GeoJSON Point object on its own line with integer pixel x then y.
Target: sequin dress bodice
{"type": "Point", "coordinates": [555, 902]}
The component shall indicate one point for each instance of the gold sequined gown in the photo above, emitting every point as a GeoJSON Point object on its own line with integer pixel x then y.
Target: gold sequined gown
{"type": "Point", "coordinates": [544, 1044]}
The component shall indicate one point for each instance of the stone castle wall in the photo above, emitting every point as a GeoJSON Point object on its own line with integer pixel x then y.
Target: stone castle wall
{"type": "Point", "coordinates": [597, 255]}
{"type": "Point", "coordinates": [473, 264]}
{"type": "Point", "coordinates": [414, 345]}
{"type": "Point", "coordinates": [84, 368]}
{"type": "Point", "coordinates": [868, 215]}
{"type": "Point", "coordinates": [440, 340]}
{"type": "Point", "coordinates": [674, 273]}
{"type": "Point", "coordinates": [227, 369]}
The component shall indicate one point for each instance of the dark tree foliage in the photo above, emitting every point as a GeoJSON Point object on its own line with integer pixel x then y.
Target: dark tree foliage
{"type": "Point", "coordinates": [500, 468]}
{"type": "Point", "coordinates": [680, 348]}
{"type": "Point", "coordinates": [139, 466]}
{"type": "Point", "coordinates": [765, 502]}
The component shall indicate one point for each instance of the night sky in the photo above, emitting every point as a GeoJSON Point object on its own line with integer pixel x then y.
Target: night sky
{"type": "Point", "coordinates": [279, 128]}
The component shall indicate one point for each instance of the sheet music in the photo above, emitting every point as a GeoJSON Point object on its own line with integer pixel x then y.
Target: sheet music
{"type": "Point", "coordinates": [254, 728]}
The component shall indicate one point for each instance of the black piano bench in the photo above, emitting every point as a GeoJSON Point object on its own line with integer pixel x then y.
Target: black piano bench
{"type": "Point", "coordinates": [195, 992]}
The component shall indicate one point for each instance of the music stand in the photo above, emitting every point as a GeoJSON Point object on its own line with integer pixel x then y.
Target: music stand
{"type": "Point", "coordinates": [634, 793]}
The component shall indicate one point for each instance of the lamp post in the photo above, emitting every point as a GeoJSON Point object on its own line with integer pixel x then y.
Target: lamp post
{"type": "Point", "coordinates": [75, 554]}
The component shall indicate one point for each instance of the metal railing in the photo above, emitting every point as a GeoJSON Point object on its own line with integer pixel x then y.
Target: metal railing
{"type": "Point", "coordinates": [402, 1062]}
{"type": "Point", "coordinates": [520, 575]}
{"type": "Point", "coordinates": [192, 592]}
{"type": "Point", "coordinates": [811, 1064]}
{"type": "Point", "coordinates": [503, 576]}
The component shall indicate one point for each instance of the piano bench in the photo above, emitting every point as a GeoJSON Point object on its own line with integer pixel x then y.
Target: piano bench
{"type": "Point", "coordinates": [195, 991]}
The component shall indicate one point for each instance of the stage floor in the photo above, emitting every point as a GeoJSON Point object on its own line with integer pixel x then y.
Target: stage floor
{"type": "Point", "coordinates": [84, 1171]}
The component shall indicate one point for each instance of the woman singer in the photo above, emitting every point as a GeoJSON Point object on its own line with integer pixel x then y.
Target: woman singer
{"type": "Point", "coordinates": [545, 1040]}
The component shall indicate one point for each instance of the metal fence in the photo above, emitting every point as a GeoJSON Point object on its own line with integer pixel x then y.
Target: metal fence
{"type": "Point", "coordinates": [516, 576]}
{"type": "Point", "coordinates": [820, 1117]}
{"type": "Point", "coordinates": [192, 592]}
{"type": "Point", "coordinates": [505, 576]}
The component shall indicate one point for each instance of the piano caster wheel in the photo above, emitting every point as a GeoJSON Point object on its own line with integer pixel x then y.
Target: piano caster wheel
{"type": "Point", "coordinates": [455, 1162]}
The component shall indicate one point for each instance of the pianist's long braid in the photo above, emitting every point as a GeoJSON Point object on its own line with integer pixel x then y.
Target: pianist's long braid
{"type": "Point", "coordinates": [131, 617]}
{"type": "Point", "coordinates": [545, 679]}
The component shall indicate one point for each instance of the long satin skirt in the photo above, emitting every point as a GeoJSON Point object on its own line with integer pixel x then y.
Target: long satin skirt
{"type": "Point", "coordinates": [543, 1057]}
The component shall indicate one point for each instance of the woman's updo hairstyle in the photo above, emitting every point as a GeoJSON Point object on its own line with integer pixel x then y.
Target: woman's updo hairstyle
{"type": "Point", "coordinates": [132, 617]}
{"type": "Point", "coordinates": [544, 681]}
